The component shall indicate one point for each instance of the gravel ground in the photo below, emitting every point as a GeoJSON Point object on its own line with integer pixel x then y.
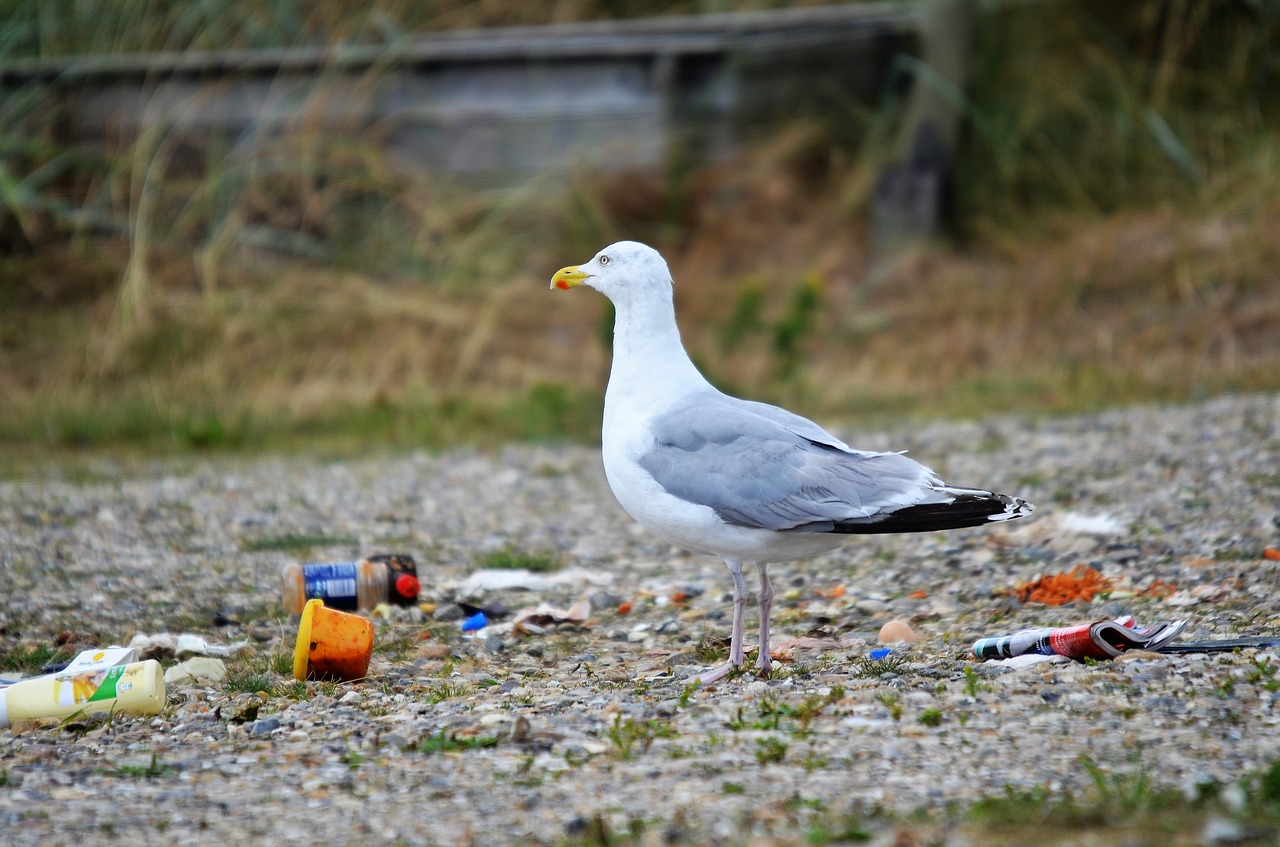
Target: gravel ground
{"type": "Point", "coordinates": [591, 734]}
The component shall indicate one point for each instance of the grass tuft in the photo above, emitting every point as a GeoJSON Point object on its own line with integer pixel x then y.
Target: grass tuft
{"type": "Point", "coordinates": [452, 742]}
{"type": "Point", "coordinates": [296, 543]}
{"type": "Point", "coordinates": [29, 659]}
{"type": "Point", "coordinates": [512, 559]}
{"type": "Point", "coordinates": [630, 739]}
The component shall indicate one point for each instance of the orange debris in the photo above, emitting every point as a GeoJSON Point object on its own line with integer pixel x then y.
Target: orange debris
{"type": "Point", "coordinates": [831, 593]}
{"type": "Point", "coordinates": [1081, 583]}
{"type": "Point", "coordinates": [917, 595]}
{"type": "Point", "coordinates": [624, 608]}
{"type": "Point", "coordinates": [1159, 589]}
{"type": "Point", "coordinates": [1271, 553]}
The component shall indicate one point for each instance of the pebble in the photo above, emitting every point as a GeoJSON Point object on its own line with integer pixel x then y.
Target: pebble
{"type": "Point", "coordinates": [895, 632]}
{"type": "Point", "coordinates": [265, 726]}
{"type": "Point", "coordinates": [1222, 831]}
{"type": "Point", "coordinates": [510, 738]}
{"type": "Point", "coordinates": [871, 607]}
{"type": "Point", "coordinates": [448, 612]}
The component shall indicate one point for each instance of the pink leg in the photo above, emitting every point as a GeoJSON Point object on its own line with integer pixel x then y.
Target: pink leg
{"type": "Point", "coordinates": [736, 656]}
{"type": "Point", "coordinates": [735, 639]}
{"type": "Point", "coordinates": [765, 598]}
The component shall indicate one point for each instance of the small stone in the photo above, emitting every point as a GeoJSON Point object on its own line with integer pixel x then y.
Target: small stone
{"type": "Point", "coordinates": [603, 600]}
{"type": "Point", "coordinates": [434, 651]}
{"type": "Point", "coordinates": [448, 612]}
{"type": "Point", "coordinates": [896, 631]}
{"type": "Point", "coordinates": [1222, 831]}
{"type": "Point", "coordinates": [265, 726]}
{"type": "Point", "coordinates": [1122, 553]}
{"type": "Point", "coordinates": [243, 710]}
{"type": "Point", "coordinates": [1114, 609]}
{"type": "Point", "coordinates": [228, 615]}
{"type": "Point", "coordinates": [869, 607]}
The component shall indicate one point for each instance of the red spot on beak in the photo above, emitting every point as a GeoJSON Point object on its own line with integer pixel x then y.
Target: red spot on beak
{"type": "Point", "coordinates": [562, 285]}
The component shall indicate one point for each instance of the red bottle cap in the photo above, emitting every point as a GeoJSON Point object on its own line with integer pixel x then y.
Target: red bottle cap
{"type": "Point", "coordinates": [407, 586]}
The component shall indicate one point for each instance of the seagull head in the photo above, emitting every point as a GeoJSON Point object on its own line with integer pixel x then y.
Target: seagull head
{"type": "Point", "coordinates": [621, 271]}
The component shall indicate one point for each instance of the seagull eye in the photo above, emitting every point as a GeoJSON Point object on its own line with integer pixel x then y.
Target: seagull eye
{"type": "Point", "coordinates": [604, 260]}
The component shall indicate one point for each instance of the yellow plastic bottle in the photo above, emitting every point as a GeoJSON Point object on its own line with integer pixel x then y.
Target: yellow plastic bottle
{"type": "Point", "coordinates": [136, 689]}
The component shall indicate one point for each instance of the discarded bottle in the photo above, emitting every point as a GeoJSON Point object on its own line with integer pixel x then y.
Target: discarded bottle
{"type": "Point", "coordinates": [136, 689]}
{"type": "Point", "coordinates": [350, 586]}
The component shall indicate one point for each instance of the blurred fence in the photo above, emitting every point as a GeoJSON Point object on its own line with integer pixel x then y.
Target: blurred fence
{"type": "Point", "coordinates": [500, 103]}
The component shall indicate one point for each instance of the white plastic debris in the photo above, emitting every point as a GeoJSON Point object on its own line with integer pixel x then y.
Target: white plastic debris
{"type": "Point", "coordinates": [185, 644]}
{"type": "Point", "coordinates": [503, 580]}
{"type": "Point", "coordinates": [1062, 532]}
{"type": "Point", "coordinates": [1026, 660]}
{"type": "Point", "coordinates": [519, 579]}
{"type": "Point", "coordinates": [1091, 524]}
{"type": "Point", "coordinates": [196, 669]}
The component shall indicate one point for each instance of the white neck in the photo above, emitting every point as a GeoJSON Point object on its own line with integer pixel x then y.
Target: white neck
{"type": "Point", "coordinates": [649, 358]}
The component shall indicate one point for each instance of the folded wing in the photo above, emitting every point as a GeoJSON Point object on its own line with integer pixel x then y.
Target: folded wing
{"type": "Point", "coordinates": [760, 466]}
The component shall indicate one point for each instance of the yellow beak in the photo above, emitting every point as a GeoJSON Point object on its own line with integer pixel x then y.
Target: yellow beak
{"type": "Point", "coordinates": [569, 277]}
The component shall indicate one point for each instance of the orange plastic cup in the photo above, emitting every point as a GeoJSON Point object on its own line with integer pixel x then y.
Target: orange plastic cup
{"type": "Point", "coordinates": [331, 644]}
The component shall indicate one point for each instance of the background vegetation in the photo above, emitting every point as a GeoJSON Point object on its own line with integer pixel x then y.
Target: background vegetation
{"type": "Point", "coordinates": [1116, 221]}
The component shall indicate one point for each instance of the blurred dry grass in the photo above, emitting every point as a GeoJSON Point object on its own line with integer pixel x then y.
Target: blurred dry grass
{"type": "Point", "coordinates": [311, 288]}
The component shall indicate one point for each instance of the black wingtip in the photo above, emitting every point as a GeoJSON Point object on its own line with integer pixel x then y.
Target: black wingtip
{"type": "Point", "coordinates": [974, 508]}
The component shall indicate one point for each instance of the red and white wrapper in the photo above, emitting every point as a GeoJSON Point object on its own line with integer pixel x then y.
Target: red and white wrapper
{"type": "Point", "coordinates": [1101, 639]}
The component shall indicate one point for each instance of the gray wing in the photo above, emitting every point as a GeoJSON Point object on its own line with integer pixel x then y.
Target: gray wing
{"type": "Point", "coordinates": [761, 466]}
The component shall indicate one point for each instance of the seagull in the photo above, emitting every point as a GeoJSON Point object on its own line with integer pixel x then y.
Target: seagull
{"type": "Point", "coordinates": [748, 482]}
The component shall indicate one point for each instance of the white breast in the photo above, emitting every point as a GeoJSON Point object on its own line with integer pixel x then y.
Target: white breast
{"type": "Point", "coordinates": [689, 525]}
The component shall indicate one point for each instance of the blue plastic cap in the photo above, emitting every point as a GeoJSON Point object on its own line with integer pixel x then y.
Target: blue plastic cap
{"type": "Point", "coordinates": [477, 621]}
{"type": "Point", "coordinates": [880, 653]}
